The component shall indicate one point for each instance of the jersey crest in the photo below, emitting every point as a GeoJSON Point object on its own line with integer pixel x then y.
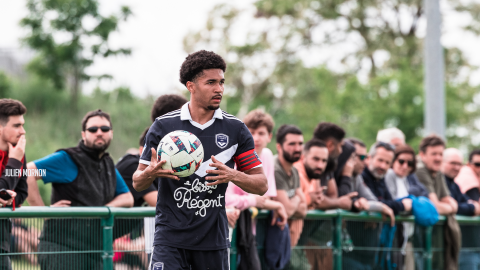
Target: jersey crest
{"type": "Point", "coordinates": [221, 140]}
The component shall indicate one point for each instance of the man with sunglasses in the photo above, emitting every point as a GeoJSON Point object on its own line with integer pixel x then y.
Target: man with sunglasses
{"type": "Point", "coordinates": [84, 175]}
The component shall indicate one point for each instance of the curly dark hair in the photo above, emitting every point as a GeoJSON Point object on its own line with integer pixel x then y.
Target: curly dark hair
{"type": "Point", "coordinates": [165, 104]}
{"type": "Point", "coordinates": [196, 62]}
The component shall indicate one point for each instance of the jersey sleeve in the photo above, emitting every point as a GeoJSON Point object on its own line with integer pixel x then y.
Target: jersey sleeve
{"type": "Point", "coordinates": [245, 157]}
{"type": "Point", "coordinates": [121, 186]}
{"type": "Point", "coordinates": [59, 168]}
{"type": "Point", "coordinates": [152, 139]}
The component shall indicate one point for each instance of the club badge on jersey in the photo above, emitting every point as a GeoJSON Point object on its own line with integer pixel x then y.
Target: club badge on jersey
{"type": "Point", "coordinates": [158, 266]}
{"type": "Point", "coordinates": [221, 140]}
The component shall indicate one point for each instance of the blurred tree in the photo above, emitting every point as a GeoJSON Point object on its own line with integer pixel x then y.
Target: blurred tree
{"type": "Point", "coordinates": [4, 85]}
{"type": "Point", "coordinates": [383, 44]}
{"type": "Point", "coordinates": [68, 35]}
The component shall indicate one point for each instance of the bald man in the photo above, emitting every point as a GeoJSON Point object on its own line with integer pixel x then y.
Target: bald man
{"type": "Point", "coordinates": [452, 163]}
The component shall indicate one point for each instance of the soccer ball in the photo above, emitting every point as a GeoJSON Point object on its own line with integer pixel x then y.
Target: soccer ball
{"type": "Point", "coordinates": [183, 152]}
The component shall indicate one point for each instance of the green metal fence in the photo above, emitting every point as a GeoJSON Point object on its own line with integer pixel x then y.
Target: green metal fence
{"type": "Point", "coordinates": [113, 238]}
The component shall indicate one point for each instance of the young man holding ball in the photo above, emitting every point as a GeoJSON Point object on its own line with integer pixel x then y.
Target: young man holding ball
{"type": "Point", "coordinates": [191, 223]}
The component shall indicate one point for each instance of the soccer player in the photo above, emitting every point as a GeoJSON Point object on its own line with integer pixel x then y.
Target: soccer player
{"type": "Point", "coordinates": [191, 223]}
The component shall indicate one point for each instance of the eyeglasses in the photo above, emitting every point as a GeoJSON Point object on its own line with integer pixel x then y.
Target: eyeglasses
{"type": "Point", "coordinates": [477, 164]}
{"type": "Point", "coordinates": [361, 157]}
{"type": "Point", "coordinates": [102, 128]}
{"type": "Point", "coordinates": [409, 162]}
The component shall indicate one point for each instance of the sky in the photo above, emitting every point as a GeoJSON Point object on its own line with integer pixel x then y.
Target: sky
{"type": "Point", "coordinates": [155, 34]}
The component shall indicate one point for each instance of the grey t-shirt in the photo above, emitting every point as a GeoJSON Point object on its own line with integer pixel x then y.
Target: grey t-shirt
{"type": "Point", "coordinates": [286, 182]}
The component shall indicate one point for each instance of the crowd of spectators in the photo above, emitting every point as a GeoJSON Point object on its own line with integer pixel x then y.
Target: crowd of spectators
{"type": "Point", "coordinates": [327, 172]}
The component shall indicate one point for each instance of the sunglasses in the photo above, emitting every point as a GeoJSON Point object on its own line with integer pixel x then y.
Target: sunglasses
{"type": "Point", "coordinates": [102, 128]}
{"type": "Point", "coordinates": [402, 161]}
{"type": "Point", "coordinates": [361, 157]}
{"type": "Point", "coordinates": [477, 164]}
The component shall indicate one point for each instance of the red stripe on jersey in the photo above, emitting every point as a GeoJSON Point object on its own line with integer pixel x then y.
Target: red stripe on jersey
{"type": "Point", "coordinates": [247, 160]}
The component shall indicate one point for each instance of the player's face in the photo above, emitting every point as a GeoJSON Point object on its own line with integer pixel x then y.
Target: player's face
{"type": "Point", "coordinates": [208, 88]}
{"type": "Point", "coordinates": [98, 140]}
{"type": "Point", "coordinates": [13, 129]}
{"type": "Point", "coordinates": [261, 138]}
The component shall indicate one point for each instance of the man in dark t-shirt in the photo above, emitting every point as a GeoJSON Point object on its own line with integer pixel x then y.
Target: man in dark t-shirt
{"type": "Point", "coordinates": [127, 166]}
{"type": "Point", "coordinates": [191, 227]}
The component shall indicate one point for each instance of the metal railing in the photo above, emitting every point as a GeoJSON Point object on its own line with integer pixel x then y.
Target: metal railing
{"type": "Point", "coordinates": [333, 236]}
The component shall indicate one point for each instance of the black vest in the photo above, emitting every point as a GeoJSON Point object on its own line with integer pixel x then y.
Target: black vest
{"type": "Point", "coordinates": [94, 186]}
{"type": "Point", "coordinates": [95, 183]}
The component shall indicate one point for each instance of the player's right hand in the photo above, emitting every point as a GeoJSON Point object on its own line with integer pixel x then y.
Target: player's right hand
{"type": "Point", "coordinates": [155, 168]}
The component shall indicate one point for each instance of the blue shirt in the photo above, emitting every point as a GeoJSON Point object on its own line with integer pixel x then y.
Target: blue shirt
{"type": "Point", "coordinates": [61, 169]}
{"type": "Point", "coordinates": [190, 214]}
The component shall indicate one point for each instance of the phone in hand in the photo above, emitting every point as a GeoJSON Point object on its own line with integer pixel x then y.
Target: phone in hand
{"type": "Point", "coordinates": [5, 195]}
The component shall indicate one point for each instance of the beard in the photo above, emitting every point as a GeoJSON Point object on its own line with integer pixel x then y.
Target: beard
{"type": "Point", "coordinates": [100, 148]}
{"type": "Point", "coordinates": [292, 158]}
{"type": "Point", "coordinates": [311, 173]}
{"type": "Point", "coordinates": [212, 107]}
{"type": "Point", "coordinates": [377, 172]}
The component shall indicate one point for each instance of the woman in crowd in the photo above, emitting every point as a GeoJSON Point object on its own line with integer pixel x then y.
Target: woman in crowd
{"type": "Point", "coordinates": [402, 182]}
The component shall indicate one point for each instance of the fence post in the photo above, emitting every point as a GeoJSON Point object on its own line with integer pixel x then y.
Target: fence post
{"type": "Point", "coordinates": [107, 227]}
{"type": "Point", "coordinates": [233, 250]}
{"type": "Point", "coordinates": [337, 242]}
{"type": "Point", "coordinates": [428, 248]}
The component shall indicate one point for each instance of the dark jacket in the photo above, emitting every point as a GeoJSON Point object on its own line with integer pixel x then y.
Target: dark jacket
{"type": "Point", "coordinates": [379, 188]}
{"type": "Point", "coordinates": [17, 184]}
{"type": "Point", "coordinates": [246, 244]}
{"type": "Point", "coordinates": [344, 183]}
{"type": "Point", "coordinates": [94, 186]}
{"type": "Point", "coordinates": [470, 233]}
{"type": "Point", "coordinates": [416, 188]}
{"type": "Point", "coordinates": [464, 208]}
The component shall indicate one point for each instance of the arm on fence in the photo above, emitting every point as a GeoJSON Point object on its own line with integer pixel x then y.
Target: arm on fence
{"type": "Point", "coordinates": [34, 198]}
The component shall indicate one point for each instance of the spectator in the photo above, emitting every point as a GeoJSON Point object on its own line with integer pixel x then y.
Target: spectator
{"type": "Point", "coordinates": [452, 162]}
{"type": "Point", "coordinates": [12, 157]}
{"type": "Point", "coordinates": [401, 182]}
{"type": "Point", "coordinates": [311, 167]}
{"type": "Point", "coordinates": [400, 179]}
{"type": "Point", "coordinates": [366, 200]}
{"type": "Point", "coordinates": [84, 175]}
{"type": "Point", "coordinates": [165, 104]}
{"type": "Point", "coordinates": [469, 177]}
{"type": "Point", "coordinates": [333, 136]}
{"type": "Point", "coordinates": [393, 136]}
{"type": "Point", "coordinates": [380, 159]}
{"type": "Point", "coordinates": [260, 125]}
{"type": "Point", "coordinates": [127, 166]}
{"type": "Point", "coordinates": [431, 153]}
{"type": "Point", "coordinates": [289, 192]}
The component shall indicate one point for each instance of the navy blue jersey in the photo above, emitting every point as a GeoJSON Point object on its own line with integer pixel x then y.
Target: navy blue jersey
{"type": "Point", "coordinates": [190, 214]}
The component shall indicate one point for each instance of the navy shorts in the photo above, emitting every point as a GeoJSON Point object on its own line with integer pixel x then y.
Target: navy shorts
{"type": "Point", "coordinates": [171, 258]}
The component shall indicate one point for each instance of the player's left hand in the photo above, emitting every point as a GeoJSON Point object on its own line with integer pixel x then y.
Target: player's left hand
{"type": "Point", "coordinates": [225, 173]}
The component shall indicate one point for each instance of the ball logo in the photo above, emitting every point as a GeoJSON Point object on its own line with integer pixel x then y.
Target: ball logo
{"type": "Point", "coordinates": [221, 140]}
{"type": "Point", "coordinates": [158, 266]}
